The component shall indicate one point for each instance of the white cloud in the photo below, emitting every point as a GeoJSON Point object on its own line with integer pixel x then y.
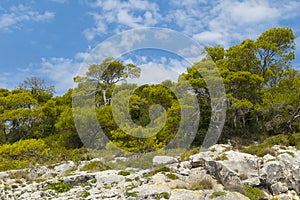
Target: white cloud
{"type": "Point", "coordinates": [16, 16]}
{"type": "Point", "coordinates": [154, 73]}
{"type": "Point", "coordinates": [207, 37]}
{"type": "Point", "coordinates": [59, 70]}
{"type": "Point", "coordinates": [123, 15]}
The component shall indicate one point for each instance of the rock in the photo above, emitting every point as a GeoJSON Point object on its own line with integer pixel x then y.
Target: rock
{"type": "Point", "coordinates": [278, 188]}
{"type": "Point", "coordinates": [151, 191]}
{"type": "Point", "coordinates": [290, 195]}
{"type": "Point", "coordinates": [291, 162]}
{"type": "Point", "coordinates": [77, 179]}
{"type": "Point", "coordinates": [199, 159]}
{"type": "Point", "coordinates": [180, 194]}
{"type": "Point", "coordinates": [227, 177]}
{"type": "Point", "coordinates": [108, 178]}
{"type": "Point", "coordinates": [163, 160]}
{"type": "Point", "coordinates": [3, 175]}
{"type": "Point", "coordinates": [272, 172]}
{"type": "Point", "coordinates": [254, 181]}
{"type": "Point", "coordinates": [218, 169]}
{"type": "Point", "coordinates": [63, 168]}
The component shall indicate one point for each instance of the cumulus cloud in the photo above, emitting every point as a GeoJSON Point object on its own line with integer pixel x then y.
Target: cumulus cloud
{"type": "Point", "coordinates": [209, 22]}
{"type": "Point", "coordinates": [122, 15]}
{"type": "Point", "coordinates": [60, 71]}
{"type": "Point", "coordinates": [155, 73]}
{"type": "Point", "coordinates": [16, 16]}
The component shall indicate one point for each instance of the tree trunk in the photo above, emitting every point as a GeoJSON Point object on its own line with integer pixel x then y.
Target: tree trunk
{"type": "Point", "coordinates": [291, 121]}
{"type": "Point", "coordinates": [104, 97]}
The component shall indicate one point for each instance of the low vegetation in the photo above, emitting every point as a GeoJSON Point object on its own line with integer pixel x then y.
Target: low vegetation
{"type": "Point", "coordinates": [266, 146]}
{"type": "Point", "coordinates": [59, 187]}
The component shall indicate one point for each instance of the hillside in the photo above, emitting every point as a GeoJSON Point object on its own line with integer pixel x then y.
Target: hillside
{"type": "Point", "coordinates": [216, 173]}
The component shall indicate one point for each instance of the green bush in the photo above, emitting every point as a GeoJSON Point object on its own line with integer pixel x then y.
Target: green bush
{"type": "Point", "coordinates": [203, 184]}
{"type": "Point", "coordinates": [253, 193]}
{"type": "Point", "coordinates": [266, 147]}
{"type": "Point", "coordinates": [172, 176]}
{"type": "Point", "coordinates": [222, 157]}
{"type": "Point", "coordinates": [217, 194]}
{"type": "Point", "coordinates": [26, 153]}
{"type": "Point", "coordinates": [95, 166]}
{"type": "Point", "coordinates": [59, 187]}
{"type": "Point", "coordinates": [124, 173]}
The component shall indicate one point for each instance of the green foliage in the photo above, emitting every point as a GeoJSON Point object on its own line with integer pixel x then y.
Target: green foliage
{"type": "Point", "coordinates": [59, 187]}
{"type": "Point", "coordinates": [172, 176]}
{"type": "Point", "coordinates": [23, 154]}
{"type": "Point", "coordinates": [253, 193]}
{"type": "Point", "coordinates": [124, 173]}
{"type": "Point", "coordinates": [158, 169]}
{"type": "Point", "coordinates": [222, 157]}
{"type": "Point", "coordinates": [85, 195]}
{"type": "Point", "coordinates": [132, 194]}
{"type": "Point", "coordinates": [262, 91]}
{"type": "Point", "coordinates": [95, 166]}
{"type": "Point", "coordinates": [266, 147]}
{"type": "Point", "coordinates": [186, 155]}
{"type": "Point", "coordinates": [217, 194]}
{"type": "Point", "coordinates": [204, 184]}
{"type": "Point", "coordinates": [164, 195]}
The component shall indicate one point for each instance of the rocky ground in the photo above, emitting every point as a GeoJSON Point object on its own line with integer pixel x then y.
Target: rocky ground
{"type": "Point", "coordinates": [218, 173]}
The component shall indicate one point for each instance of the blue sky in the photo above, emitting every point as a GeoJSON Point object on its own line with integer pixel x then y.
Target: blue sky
{"type": "Point", "coordinates": [51, 38]}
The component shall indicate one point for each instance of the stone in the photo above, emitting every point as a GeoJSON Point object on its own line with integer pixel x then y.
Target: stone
{"type": "Point", "coordinates": [180, 194]}
{"type": "Point", "coordinates": [77, 179]}
{"type": "Point", "coordinates": [63, 168]}
{"type": "Point", "coordinates": [163, 160]}
{"type": "Point", "coordinates": [278, 188]}
{"type": "Point", "coordinates": [272, 172]}
{"type": "Point", "coordinates": [3, 175]}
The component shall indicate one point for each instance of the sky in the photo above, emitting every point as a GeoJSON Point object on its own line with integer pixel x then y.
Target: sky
{"type": "Point", "coordinates": [51, 39]}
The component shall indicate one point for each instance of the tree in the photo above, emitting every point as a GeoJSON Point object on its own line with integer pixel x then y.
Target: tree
{"type": "Point", "coordinates": [251, 70]}
{"type": "Point", "coordinates": [106, 74]}
{"type": "Point", "coordinates": [36, 84]}
{"type": "Point", "coordinates": [38, 87]}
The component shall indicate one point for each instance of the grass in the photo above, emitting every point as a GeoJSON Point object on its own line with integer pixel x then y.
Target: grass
{"type": "Point", "coordinates": [217, 194]}
{"type": "Point", "coordinates": [222, 157]}
{"type": "Point", "coordinates": [85, 195]}
{"type": "Point", "coordinates": [253, 193]}
{"type": "Point", "coordinates": [172, 176]}
{"type": "Point", "coordinates": [59, 187]}
{"type": "Point", "coordinates": [124, 173]}
{"type": "Point", "coordinates": [158, 169]}
{"type": "Point", "coordinates": [132, 194]}
{"type": "Point", "coordinates": [95, 166]}
{"type": "Point", "coordinates": [266, 146]}
{"type": "Point", "coordinates": [186, 155]}
{"type": "Point", "coordinates": [204, 184]}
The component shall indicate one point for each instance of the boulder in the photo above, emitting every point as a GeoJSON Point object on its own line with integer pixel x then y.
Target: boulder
{"type": "Point", "coordinates": [163, 160]}
{"type": "Point", "coordinates": [278, 188]}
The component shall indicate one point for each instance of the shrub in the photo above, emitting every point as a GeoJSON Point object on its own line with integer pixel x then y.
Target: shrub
{"type": "Point", "coordinates": [253, 193]}
{"type": "Point", "coordinates": [186, 155]}
{"type": "Point", "coordinates": [59, 187]}
{"type": "Point", "coordinates": [265, 147]}
{"type": "Point", "coordinates": [124, 173]}
{"type": "Point", "coordinates": [217, 194]}
{"type": "Point", "coordinates": [204, 184]}
{"type": "Point", "coordinates": [95, 166]}
{"type": "Point", "coordinates": [222, 157]}
{"type": "Point", "coordinates": [85, 195]}
{"type": "Point", "coordinates": [172, 176]}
